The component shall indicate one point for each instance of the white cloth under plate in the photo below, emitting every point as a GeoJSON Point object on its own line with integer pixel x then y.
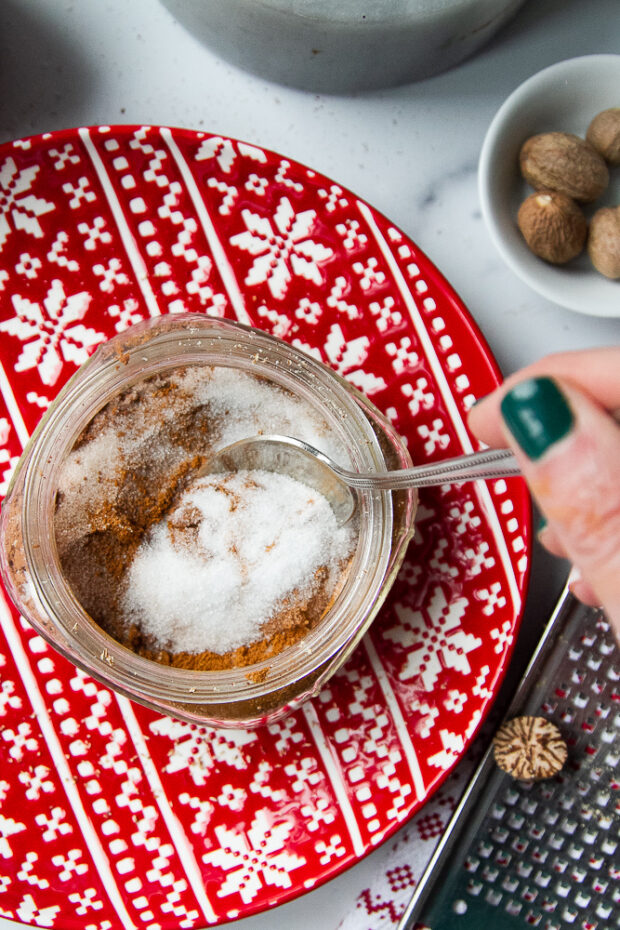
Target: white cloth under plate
{"type": "Point", "coordinates": [401, 862]}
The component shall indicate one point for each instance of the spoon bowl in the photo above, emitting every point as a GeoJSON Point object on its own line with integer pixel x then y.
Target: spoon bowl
{"type": "Point", "coordinates": [300, 460]}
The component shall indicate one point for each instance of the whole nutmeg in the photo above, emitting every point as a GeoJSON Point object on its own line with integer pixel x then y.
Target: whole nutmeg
{"type": "Point", "coordinates": [603, 134]}
{"type": "Point", "coordinates": [604, 241]}
{"type": "Point", "coordinates": [553, 226]}
{"type": "Point", "coordinates": [562, 162]}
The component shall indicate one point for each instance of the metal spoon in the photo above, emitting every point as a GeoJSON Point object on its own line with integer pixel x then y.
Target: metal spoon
{"type": "Point", "coordinates": [301, 461]}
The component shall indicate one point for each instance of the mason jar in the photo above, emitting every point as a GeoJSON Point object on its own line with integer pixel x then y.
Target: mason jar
{"type": "Point", "coordinates": [242, 696]}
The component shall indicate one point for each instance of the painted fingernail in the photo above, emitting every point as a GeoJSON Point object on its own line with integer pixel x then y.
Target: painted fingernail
{"type": "Point", "coordinates": [537, 415]}
{"type": "Point", "coordinates": [542, 523]}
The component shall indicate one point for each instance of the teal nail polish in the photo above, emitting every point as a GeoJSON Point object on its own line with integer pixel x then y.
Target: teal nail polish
{"type": "Point", "coordinates": [537, 415]}
{"type": "Point", "coordinates": [542, 523]}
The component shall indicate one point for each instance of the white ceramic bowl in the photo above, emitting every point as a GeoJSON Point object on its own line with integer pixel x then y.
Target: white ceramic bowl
{"type": "Point", "coordinates": [563, 97]}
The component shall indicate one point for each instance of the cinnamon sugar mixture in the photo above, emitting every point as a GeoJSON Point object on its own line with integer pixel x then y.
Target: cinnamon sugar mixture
{"type": "Point", "coordinates": [212, 572]}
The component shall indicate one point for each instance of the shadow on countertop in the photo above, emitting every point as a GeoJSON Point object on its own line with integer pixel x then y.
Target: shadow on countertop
{"type": "Point", "coordinates": [43, 74]}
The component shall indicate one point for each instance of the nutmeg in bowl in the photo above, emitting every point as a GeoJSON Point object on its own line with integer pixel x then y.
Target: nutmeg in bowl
{"type": "Point", "coordinates": [562, 99]}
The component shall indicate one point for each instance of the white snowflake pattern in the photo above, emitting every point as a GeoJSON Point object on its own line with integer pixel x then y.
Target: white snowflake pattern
{"type": "Point", "coordinates": [7, 462]}
{"type": "Point", "coordinates": [282, 249]}
{"type": "Point", "coordinates": [253, 859]}
{"type": "Point", "coordinates": [29, 912]}
{"type": "Point", "coordinates": [8, 827]}
{"type": "Point", "coordinates": [223, 151]}
{"type": "Point", "coordinates": [200, 749]}
{"type": "Point", "coordinates": [453, 744]}
{"type": "Point", "coordinates": [440, 640]}
{"type": "Point", "coordinates": [346, 357]}
{"type": "Point", "coordinates": [24, 209]}
{"type": "Point", "coordinates": [50, 331]}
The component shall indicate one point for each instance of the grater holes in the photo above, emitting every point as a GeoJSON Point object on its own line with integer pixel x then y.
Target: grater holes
{"type": "Point", "coordinates": [516, 820]}
{"type": "Point", "coordinates": [503, 859]}
{"type": "Point", "coordinates": [600, 886]}
{"type": "Point", "coordinates": [575, 852]}
{"type": "Point", "coordinates": [500, 834]}
{"type": "Point", "coordinates": [474, 887]}
{"type": "Point", "coordinates": [493, 896]}
{"type": "Point", "coordinates": [550, 816]}
{"type": "Point", "coordinates": [608, 735]}
{"type": "Point", "coordinates": [567, 803]}
{"type": "Point", "coordinates": [485, 849]}
{"type": "Point", "coordinates": [543, 879]}
{"type": "Point", "coordinates": [602, 910]}
{"type": "Point", "coordinates": [562, 888]}
{"type": "Point", "coordinates": [510, 884]}
{"type": "Point", "coordinates": [569, 914]}
{"type": "Point", "coordinates": [489, 873]}
{"type": "Point", "coordinates": [609, 846]}
{"type": "Point", "coordinates": [568, 825]}
{"type": "Point", "coordinates": [582, 899]}
{"type": "Point", "coordinates": [528, 805]}
{"type": "Point", "coordinates": [511, 796]}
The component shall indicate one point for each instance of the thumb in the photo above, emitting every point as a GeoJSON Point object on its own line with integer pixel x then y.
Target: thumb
{"type": "Point", "coordinates": [569, 451]}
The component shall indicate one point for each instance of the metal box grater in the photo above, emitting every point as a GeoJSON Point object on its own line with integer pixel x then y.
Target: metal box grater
{"type": "Point", "coordinates": [546, 854]}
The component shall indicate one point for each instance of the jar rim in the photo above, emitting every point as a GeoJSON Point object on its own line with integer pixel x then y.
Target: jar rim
{"type": "Point", "coordinates": [125, 359]}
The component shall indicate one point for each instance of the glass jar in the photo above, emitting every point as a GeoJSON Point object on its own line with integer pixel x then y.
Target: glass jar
{"type": "Point", "coordinates": [244, 696]}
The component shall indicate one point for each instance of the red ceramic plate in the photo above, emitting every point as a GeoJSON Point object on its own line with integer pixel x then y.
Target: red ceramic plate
{"type": "Point", "coordinates": [110, 815]}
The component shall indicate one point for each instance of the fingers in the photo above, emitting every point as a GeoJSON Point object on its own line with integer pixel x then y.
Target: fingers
{"type": "Point", "coordinates": [595, 371]}
{"type": "Point", "coordinates": [568, 448]}
{"type": "Point", "coordinates": [581, 589]}
{"type": "Point", "coordinates": [551, 541]}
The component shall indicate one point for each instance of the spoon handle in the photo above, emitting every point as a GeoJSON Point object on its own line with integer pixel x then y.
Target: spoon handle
{"type": "Point", "coordinates": [490, 463]}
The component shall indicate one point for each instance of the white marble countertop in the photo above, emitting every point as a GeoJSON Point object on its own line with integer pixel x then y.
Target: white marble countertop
{"type": "Point", "coordinates": [410, 151]}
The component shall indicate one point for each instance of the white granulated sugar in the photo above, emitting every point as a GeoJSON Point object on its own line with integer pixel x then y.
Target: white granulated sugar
{"type": "Point", "coordinates": [260, 539]}
{"type": "Point", "coordinates": [248, 406]}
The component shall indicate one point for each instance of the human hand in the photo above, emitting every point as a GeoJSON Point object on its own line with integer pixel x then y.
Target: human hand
{"type": "Point", "coordinates": [556, 416]}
